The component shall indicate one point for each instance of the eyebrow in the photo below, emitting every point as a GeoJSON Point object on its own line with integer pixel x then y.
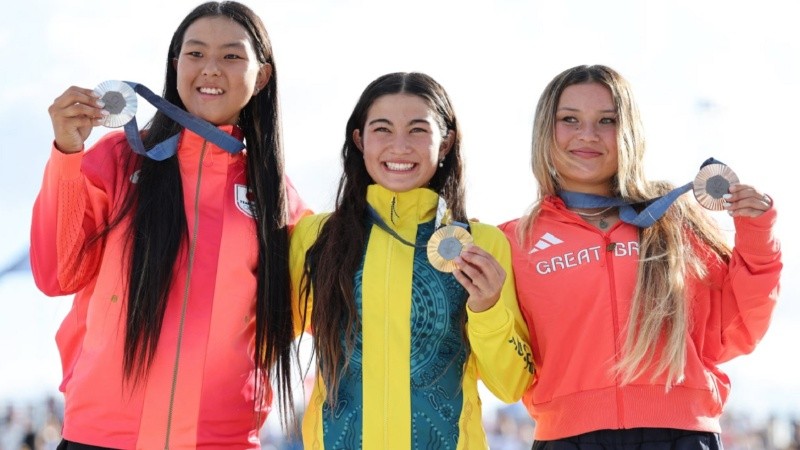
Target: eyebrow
{"type": "Point", "coordinates": [568, 108]}
{"type": "Point", "coordinates": [389, 122]}
{"type": "Point", "coordinates": [236, 44]}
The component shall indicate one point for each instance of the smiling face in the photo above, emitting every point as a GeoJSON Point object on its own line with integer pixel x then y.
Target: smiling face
{"type": "Point", "coordinates": [586, 137]}
{"type": "Point", "coordinates": [218, 71]}
{"type": "Point", "coordinates": [402, 142]}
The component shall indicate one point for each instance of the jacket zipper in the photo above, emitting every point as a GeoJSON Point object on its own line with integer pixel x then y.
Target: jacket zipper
{"type": "Point", "coordinates": [610, 246]}
{"type": "Point", "coordinates": [386, 303]}
{"type": "Point", "coordinates": [190, 264]}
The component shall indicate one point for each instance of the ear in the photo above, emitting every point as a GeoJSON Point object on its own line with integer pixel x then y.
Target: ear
{"type": "Point", "coordinates": [357, 140]}
{"type": "Point", "coordinates": [447, 144]}
{"type": "Point", "coordinates": [264, 74]}
{"type": "Point", "coordinates": [175, 63]}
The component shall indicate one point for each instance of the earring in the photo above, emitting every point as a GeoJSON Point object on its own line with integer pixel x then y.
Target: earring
{"type": "Point", "coordinates": [441, 163]}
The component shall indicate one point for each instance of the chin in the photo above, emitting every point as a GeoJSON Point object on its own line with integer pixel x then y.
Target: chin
{"type": "Point", "coordinates": [400, 187]}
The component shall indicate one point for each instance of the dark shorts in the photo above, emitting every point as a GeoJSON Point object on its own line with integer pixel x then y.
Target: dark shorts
{"type": "Point", "coordinates": [635, 439]}
{"type": "Point", "coordinates": [66, 445]}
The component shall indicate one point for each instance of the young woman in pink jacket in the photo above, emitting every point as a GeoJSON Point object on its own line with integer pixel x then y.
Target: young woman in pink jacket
{"type": "Point", "coordinates": [631, 312]}
{"type": "Point", "coordinates": [181, 316]}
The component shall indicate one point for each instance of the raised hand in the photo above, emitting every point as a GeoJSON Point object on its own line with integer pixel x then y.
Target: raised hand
{"type": "Point", "coordinates": [745, 200]}
{"type": "Point", "coordinates": [74, 113]}
{"type": "Point", "coordinates": [482, 277]}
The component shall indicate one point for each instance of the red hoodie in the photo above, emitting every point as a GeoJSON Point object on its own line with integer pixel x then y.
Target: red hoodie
{"type": "Point", "coordinates": [211, 374]}
{"type": "Point", "coordinates": [575, 283]}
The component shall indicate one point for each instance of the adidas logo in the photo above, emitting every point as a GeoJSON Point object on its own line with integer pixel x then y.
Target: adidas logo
{"type": "Point", "coordinates": [546, 241]}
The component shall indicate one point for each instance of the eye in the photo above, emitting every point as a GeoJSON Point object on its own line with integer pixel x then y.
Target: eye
{"type": "Point", "coordinates": [569, 119]}
{"type": "Point", "coordinates": [608, 120]}
{"type": "Point", "coordinates": [419, 130]}
{"type": "Point", "coordinates": [381, 130]}
{"type": "Point", "coordinates": [233, 56]}
{"type": "Point", "coordinates": [194, 54]}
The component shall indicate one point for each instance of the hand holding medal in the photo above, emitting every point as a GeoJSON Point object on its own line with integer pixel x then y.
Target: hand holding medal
{"type": "Point", "coordinates": [481, 275]}
{"type": "Point", "coordinates": [450, 249]}
{"type": "Point", "coordinates": [74, 114]}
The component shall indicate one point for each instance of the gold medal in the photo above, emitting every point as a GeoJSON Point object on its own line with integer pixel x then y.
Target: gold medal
{"type": "Point", "coordinates": [445, 245]}
{"type": "Point", "coordinates": [711, 183]}
{"type": "Point", "coordinates": [120, 102]}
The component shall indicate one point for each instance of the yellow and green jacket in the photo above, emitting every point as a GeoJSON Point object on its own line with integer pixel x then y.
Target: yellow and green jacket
{"type": "Point", "coordinates": [412, 381]}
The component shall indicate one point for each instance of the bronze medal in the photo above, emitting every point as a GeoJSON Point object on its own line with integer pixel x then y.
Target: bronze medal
{"type": "Point", "coordinates": [711, 183]}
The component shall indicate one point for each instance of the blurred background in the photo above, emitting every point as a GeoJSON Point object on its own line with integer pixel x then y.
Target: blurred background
{"type": "Point", "coordinates": [713, 78]}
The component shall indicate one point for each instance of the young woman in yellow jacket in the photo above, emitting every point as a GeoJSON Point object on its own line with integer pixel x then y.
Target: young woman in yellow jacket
{"type": "Point", "coordinates": [399, 344]}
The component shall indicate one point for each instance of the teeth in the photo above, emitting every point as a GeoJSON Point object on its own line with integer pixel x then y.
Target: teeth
{"type": "Point", "coordinates": [212, 91]}
{"type": "Point", "coordinates": [399, 166]}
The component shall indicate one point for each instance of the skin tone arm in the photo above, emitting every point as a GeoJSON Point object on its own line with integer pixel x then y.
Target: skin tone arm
{"type": "Point", "coordinates": [74, 113]}
{"type": "Point", "coordinates": [482, 277]}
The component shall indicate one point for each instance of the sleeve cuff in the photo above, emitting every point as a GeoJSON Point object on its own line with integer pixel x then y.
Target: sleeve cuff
{"type": "Point", "coordinates": [754, 235]}
{"type": "Point", "coordinates": [489, 321]}
{"type": "Point", "coordinates": [68, 164]}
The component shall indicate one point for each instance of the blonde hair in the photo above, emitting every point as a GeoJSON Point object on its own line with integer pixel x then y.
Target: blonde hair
{"type": "Point", "coordinates": [668, 251]}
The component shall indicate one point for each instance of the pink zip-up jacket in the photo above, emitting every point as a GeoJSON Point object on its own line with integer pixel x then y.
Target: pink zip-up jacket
{"type": "Point", "coordinates": [198, 392]}
{"type": "Point", "coordinates": [575, 283]}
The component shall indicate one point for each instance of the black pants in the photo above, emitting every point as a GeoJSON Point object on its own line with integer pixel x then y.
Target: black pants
{"type": "Point", "coordinates": [66, 445]}
{"type": "Point", "coordinates": [635, 439]}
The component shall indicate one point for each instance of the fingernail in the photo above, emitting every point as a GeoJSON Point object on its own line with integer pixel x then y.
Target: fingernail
{"type": "Point", "coordinates": [100, 103]}
{"type": "Point", "coordinates": [726, 204]}
{"type": "Point", "coordinates": [727, 196]}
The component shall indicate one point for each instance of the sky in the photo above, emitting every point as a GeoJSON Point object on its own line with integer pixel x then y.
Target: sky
{"type": "Point", "coordinates": [712, 78]}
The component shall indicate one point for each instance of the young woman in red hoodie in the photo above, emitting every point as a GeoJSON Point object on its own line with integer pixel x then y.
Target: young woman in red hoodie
{"type": "Point", "coordinates": [181, 316]}
{"type": "Point", "coordinates": [629, 320]}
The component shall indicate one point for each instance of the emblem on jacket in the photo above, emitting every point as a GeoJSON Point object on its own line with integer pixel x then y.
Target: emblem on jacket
{"type": "Point", "coordinates": [244, 199]}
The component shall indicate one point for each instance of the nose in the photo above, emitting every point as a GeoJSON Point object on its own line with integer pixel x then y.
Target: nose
{"type": "Point", "coordinates": [587, 131]}
{"type": "Point", "coordinates": [211, 68]}
{"type": "Point", "coordinates": [401, 143]}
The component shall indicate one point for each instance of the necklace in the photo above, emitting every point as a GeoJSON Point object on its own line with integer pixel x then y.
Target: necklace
{"type": "Point", "coordinates": [603, 213]}
{"type": "Point", "coordinates": [594, 214]}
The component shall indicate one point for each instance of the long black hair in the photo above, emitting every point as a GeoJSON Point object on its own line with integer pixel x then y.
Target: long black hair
{"type": "Point", "coordinates": [158, 223]}
{"type": "Point", "coordinates": [333, 259]}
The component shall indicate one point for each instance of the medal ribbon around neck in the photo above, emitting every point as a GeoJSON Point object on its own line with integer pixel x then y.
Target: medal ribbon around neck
{"type": "Point", "coordinates": [443, 246]}
{"type": "Point", "coordinates": [711, 183]}
{"type": "Point", "coordinates": [120, 101]}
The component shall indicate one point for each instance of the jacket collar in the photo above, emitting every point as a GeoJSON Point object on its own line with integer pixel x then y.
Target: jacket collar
{"type": "Point", "coordinates": [191, 142]}
{"type": "Point", "coordinates": [400, 209]}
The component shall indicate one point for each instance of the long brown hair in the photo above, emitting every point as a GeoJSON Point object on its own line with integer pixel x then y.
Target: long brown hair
{"type": "Point", "coordinates": [659, 310]}
{"type": "Point", "coordinates": [333, 259]}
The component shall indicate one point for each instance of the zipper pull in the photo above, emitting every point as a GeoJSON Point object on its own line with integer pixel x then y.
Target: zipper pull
{"type": "Point", "coordinates": [393, 211]}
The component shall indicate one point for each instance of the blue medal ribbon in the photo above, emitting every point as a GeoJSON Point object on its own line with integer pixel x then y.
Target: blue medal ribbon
{"type": "Point", "coordinates": [653, 209]}
{"type": "Point", "coordinates": [169, 147]}
{"type": "Point", "coordinates": [376, 218]}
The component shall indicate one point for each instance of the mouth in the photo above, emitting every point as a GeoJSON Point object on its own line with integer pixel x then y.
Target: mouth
{"type": "Point", "coordinates": [585, 153]}
{"type": "Point", "coordinates": [399, 166]}
{"type": "Point", "coordinates": [210, 90]}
